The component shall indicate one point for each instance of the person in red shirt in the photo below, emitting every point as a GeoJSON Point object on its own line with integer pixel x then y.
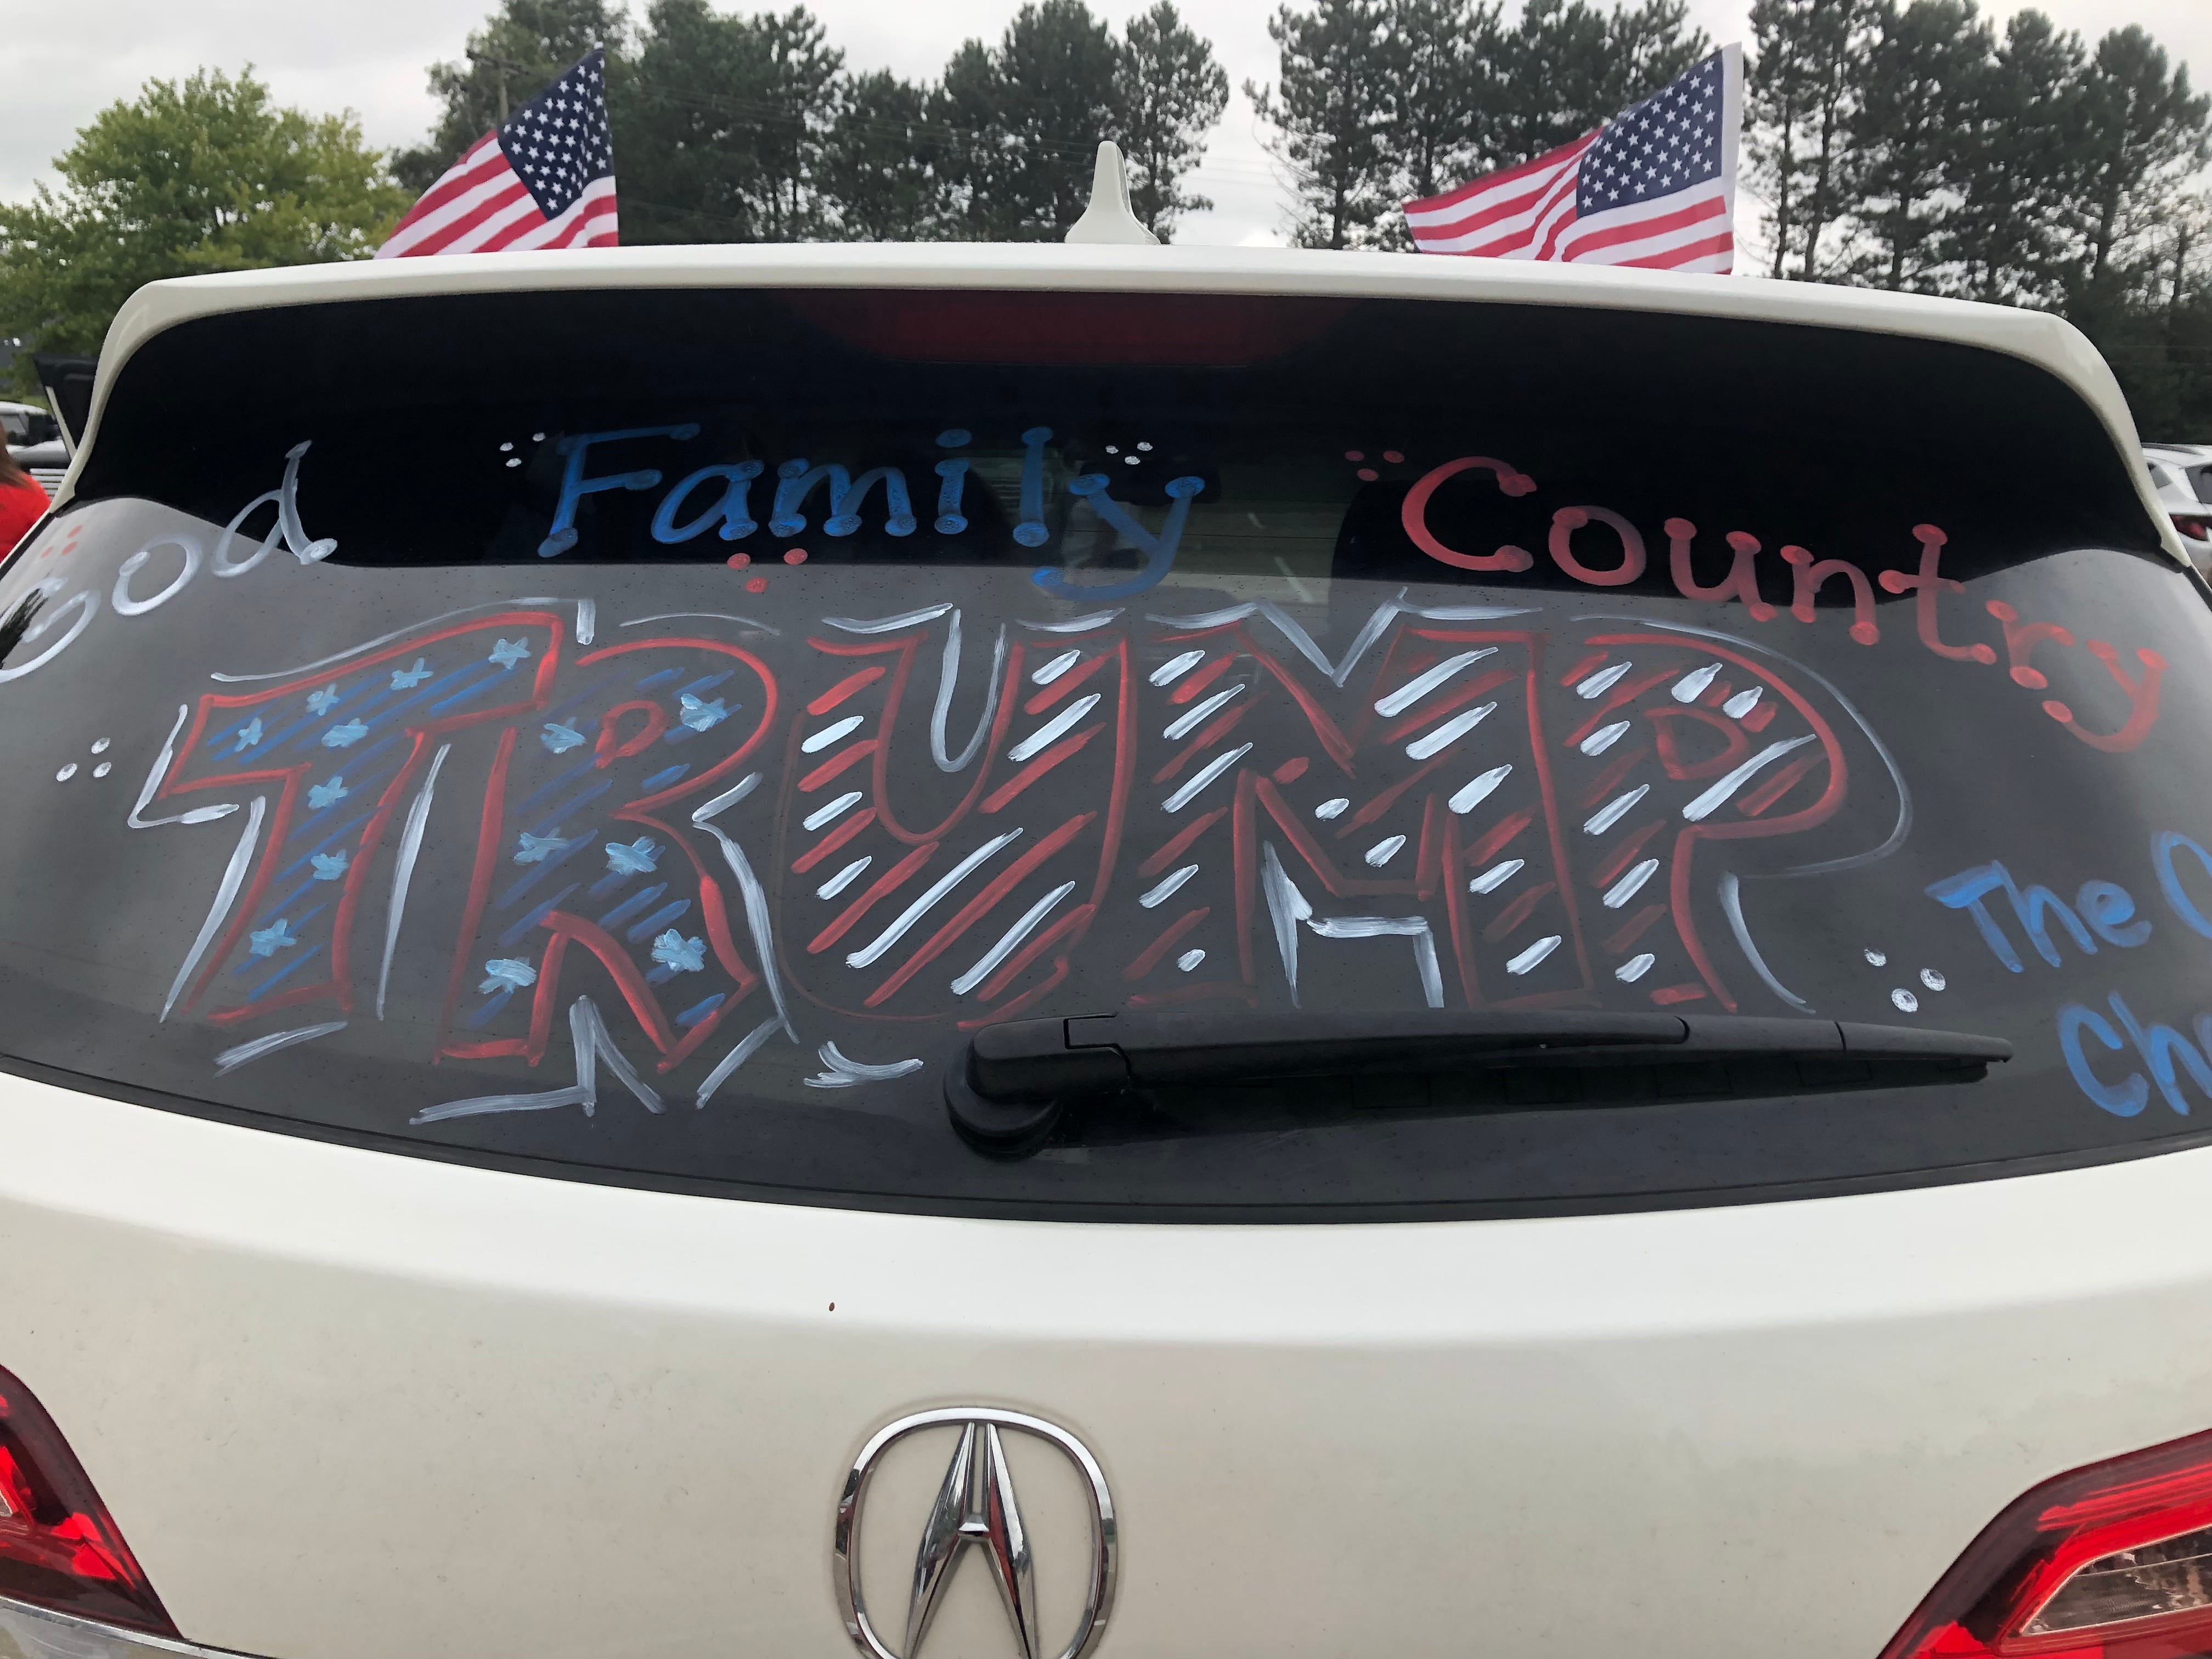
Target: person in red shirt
{"type": "Point", "coordinates": [23, 501]}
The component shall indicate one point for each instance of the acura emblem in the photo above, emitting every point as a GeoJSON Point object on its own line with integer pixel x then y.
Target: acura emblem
{"type": "Point", "coordinates": [975, 1504]}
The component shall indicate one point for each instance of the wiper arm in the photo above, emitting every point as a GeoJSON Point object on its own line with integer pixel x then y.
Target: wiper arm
{"type": "Point", "coordinates": [1007, 1089]}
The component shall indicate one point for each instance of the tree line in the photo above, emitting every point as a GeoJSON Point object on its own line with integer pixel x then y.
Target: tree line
{"type": "Point", "coordinates": [1906, 144]}
{"type": "Point", "coordinates": [730, 128]}
{"type": "Point", "coordinates": [1917, 147]}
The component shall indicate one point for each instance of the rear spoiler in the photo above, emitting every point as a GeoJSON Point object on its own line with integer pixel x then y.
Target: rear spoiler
{"type": "Point", "coordinates": [67, 382]}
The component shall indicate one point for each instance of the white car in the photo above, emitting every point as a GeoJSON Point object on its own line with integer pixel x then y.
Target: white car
{"type": "Point", "coordinates": [2181, 474]}
{"type": "Point", "coordinates": [1347, 954]}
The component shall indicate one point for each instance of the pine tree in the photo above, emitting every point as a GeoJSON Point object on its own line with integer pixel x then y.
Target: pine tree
{"type": "Point", "coordinates": [1801, 89]}
{"type": "Point", "coordinates": [1925, 72]}
{"type": "Point", "coordinates": [2146, 135]}
{"type": "Point", "coordinates": [1566, 68]}
{"type": "Point", "coordinates": [884, 171]}
{"type": "Point", "coordinates": [1443, 106]}
{"type": "Point", "coordinates": [2021, 154]}
{"type": "Point", "coordinates": [721, 133]}
{"type": "Point", "coordinates": [521, 50]}
{"type": "Point", "coordinates": [1169, 93]}
{"type": "Point", "coordinates": [1026, 117]}
{"type": "Point", "coordinates": [1332, 109]}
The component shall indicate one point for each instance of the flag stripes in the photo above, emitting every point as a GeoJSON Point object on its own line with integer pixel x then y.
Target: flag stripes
{"type": "Point", "coordinates": [1654, 189]}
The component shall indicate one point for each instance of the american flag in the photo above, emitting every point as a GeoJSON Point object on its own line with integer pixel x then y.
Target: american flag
{"type": "Point", "coordinates": [544, 179]}
{"type": "Point", "coordinates": [1654, 187]}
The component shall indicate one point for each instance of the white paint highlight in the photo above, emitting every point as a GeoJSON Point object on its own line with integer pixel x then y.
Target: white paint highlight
{"type": "Point", "coordinates": [1212, 770]}
{"type": "Point", "coordinates": [1166, 890]}
{"type": "Point", "coordinates": [923, 906]}
{"type": "Point", "coordinates": [1053, 670]}
{"type": "Point", "coordinates": [832, 809]}
{"type": "Point", "coordinates": [988, 963]}
{"type": "Point", "coordinates": [829, 734]}
{"type": "Point", "coordinates": [1718, 796]}
{"type": "Point", "coordinates": [1691, 685]}
{"type": "Point", "coordinates": [1175, 667]}
{"type": "Point", "coordinates": [1384, 851]}
{"type": "Point", "coordinates": [1613, 810]}
{"type": "Point", "coordinates": [1628, 886]}
{"type": "Point", "coordinates": [1603, 681]}
{"type": "Point", "coordinates": [1534, 954]}
{"type": "Point", "coordinates": [1479, 789]}
{"type": "Point", "coordinates": [844, 879]}
{"type": "Point", "coordinates": [1053, 729]}
{"type": "Point", "coordinates": [1449, 732]}
{"type": "Point", "coordinates": [1604, 738]}
{"type": "Point", "coordinates": [1192, 719]}
{"type": "Point", "coordinates": [1423, 684]}
{"type": "Point", "coordinates": [1497, 876]}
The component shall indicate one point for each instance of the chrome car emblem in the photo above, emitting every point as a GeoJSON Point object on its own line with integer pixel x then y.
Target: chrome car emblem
{"type": "Point", "coordinates": [975, 1505]}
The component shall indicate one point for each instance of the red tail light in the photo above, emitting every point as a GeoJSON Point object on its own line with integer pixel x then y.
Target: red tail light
{"type": "Point", "coordinates": [2188, 524]}
{"type": "Point", "coordinates": [59, 1548]}
{"type": "Point", "coordinates": [2113, 1561]}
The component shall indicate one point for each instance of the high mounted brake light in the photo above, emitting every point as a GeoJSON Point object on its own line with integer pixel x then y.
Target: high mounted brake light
{"type": "Point", "coordinates": [2113, 1561]}
{"type": "Point", "coordinates": [59, 1548]}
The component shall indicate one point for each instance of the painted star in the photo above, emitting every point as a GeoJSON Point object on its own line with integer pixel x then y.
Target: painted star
{"type": "Point", "coordinates": [405, 679]}
{"type": "Point", "coordinates": [507, 653]}
{"type": "Point", "coordinates": [321, 702]}
{"type": "Point", "coordinates": [536, 849]}
{"type": "Point", "coordinates": [701, 715]}
{"type": "Point", "coordinates": [329, 867]}
{"type": "Point", "coordinates": [344, 737]}
{"type": "Point", "coordinates": [560, 739]}
{"type": "Point", "coordinates": [685, 956]}
{"type": "Point", "coordinates": [637, 858]}
{"type": "Point", "coordinates": [320, 795]}
{"type": "Point", "coordinates": [507, 973]}
{"type": "Point", "coordinates": [248, 735]}
{"type": "Point", "coordinates": [267, 941]}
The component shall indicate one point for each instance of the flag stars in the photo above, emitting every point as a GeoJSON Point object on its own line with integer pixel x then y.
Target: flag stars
{"type": "Point", "coordinates": [268, 941]}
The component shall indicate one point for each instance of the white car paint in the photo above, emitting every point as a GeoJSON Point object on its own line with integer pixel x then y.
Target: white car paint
{"type": "Point", "coordinates": [558, 1420]}
{"type": "Point", "coordinates": [349, 1405]}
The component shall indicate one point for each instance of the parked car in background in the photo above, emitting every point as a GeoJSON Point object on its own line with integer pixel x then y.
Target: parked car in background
{"type": "Point", "coordinates": [2181, 474]}
{"type": "Point", "coordinates": [26, 424]}
{"type": "Point", "coordinates": [35, 438]}
{"type": "Point", "coordinates": [1347, 954]}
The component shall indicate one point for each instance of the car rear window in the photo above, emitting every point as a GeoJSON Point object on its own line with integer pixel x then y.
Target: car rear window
{"type": "Point", "coordinates": [646, 735]}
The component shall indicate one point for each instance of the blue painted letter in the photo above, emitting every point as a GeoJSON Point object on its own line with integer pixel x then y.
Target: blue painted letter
{"type": "Point", "coordinates": [574, 486]}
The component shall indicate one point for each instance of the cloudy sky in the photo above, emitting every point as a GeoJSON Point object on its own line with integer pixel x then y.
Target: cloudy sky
{"type": "Point", "coordinates": [59, 64]}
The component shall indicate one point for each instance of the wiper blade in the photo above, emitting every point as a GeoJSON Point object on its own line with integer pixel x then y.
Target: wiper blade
{"type": "Point", "coordinates": [1007, 1089]}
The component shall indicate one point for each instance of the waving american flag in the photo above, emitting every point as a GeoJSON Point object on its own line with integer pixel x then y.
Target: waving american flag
{"type": "Point", "coordinates": [546, 179]}
{"type": "Point", "coordinates": [1654, 187]}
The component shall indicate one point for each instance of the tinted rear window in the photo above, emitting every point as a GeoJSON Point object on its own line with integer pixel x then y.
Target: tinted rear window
{"type": "Point", "coordinates": [643, 735]}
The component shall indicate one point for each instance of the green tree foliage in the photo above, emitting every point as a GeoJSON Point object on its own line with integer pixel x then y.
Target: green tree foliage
{"type": "Point", "coordinates": [1566, 67]}
{"type": "Point", "coordinates": [1167, 94]}
{"type": "Point", "coordinates": [722, 126]}
{"type": "Point", "coordinates": [1028, 115]}
{"type": "Point", "coordinates": [1909, 146]}
{"type": "Point", "coordinates": [1332, 108]}
{"type": "Point", "coordinates": [522, 47]}
{"type": "Point", "coordinates": [1801, 92]}
{"type": "Point", "coordinates": [1379, 101]}
{"type": "Point", "coordinates": [1909, 136]}
{"type": "Point", "coordinates": [192, 176]}
{"type": "Point", "coordinates": [885, 168]}
{"type": "Point", "coordinates": [748, 128]}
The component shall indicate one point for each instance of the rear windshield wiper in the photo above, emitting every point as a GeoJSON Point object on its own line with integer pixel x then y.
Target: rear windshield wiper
{"type": "Point", "coordinates": [1011, 1088]}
